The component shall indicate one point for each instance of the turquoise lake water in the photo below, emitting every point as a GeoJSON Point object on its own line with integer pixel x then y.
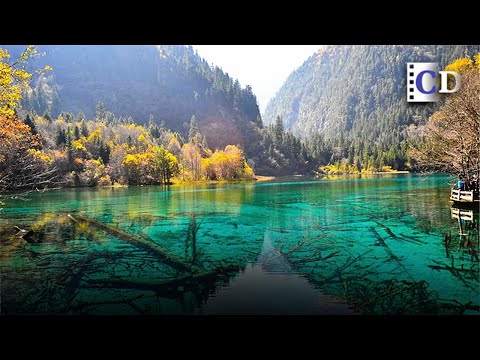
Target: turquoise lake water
{"type": "Point", "coordinates": [378, 244]}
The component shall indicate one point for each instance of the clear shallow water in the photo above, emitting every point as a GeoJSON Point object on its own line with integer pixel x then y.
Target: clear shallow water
{"type": "Point", "coordinates": [372, 245]}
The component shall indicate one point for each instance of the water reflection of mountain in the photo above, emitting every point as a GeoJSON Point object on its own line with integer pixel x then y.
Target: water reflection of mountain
{"type": "Point", "coordinates": [272, 286]}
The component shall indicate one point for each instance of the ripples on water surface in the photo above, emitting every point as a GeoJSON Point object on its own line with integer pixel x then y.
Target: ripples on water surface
{"type": "Point", "coordinates": [372, 245]}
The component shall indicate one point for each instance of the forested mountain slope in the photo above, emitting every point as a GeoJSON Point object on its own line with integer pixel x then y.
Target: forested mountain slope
{"type": "Point", "coordinates": [171, 83]}
{"type": "Point", "coordinates": [355, 96]}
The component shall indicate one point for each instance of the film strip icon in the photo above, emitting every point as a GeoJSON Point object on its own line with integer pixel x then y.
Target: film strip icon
{"type": "Point", "coordinates": [422, 82]}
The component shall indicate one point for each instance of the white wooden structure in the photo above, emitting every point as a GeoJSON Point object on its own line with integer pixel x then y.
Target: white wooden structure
{"type": "Point", "coordinates": [462, 196]}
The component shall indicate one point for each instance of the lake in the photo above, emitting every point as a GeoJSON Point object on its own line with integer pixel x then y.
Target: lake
{"type": "Point", "coordinates": [378, 244]}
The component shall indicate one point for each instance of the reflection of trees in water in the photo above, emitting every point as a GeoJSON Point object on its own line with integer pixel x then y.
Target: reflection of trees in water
{"type": "Point", "coordinates": [191, 238]}
{"type": "Point", "coordinates": [424, 208]}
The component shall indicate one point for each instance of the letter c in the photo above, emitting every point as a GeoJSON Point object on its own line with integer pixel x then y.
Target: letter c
{"type": "Point", "coordinates": [419, 84]}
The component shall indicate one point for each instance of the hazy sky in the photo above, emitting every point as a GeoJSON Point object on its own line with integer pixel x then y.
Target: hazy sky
{"type": "Point", "coordinates": [264, 67]}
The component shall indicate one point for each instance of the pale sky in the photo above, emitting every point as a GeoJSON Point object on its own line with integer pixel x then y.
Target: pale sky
{"type": "Point", "coordinates": [264, 67]}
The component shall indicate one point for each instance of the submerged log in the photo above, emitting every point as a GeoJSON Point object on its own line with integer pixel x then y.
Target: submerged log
{"type": "Point", "coordinates": [393, 257]}
{"type": "Point", "coordinates": [169, 287]}
{"type": "Point", "coordinates": [282, 231]}
{"type": "Point", "coordinates": [459, 307]}
{"type": "Point", "coordinates": [28, 237]}
{"type": "Point", "coordinates": [473, 271]}
{"type": "Point", "coordinates": [25, 235]}
{"type": "Point", "coordinates": [385, 246]}
{"type": "Point", "coordinates": [147, 245]}
{"type": "Point", "coordinates": [129, 302]}
{"type": "Point", "coordinates": [410, 239]}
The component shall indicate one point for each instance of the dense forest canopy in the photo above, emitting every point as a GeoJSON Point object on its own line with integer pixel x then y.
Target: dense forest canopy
{"type": "Point", "coordinates": [106, 149]}
{"type": "Point", "coordinates": [165, 83]}
{"type": "Point", "coordinates": [91, 153]}
{"type": "Point", "coordinates": [354, 97]}
{"type": "Point", "coordinates": [145, 114]}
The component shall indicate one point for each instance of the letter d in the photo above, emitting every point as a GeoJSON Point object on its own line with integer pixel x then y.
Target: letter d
{"type": "Point", "coordinates": [444, 85]}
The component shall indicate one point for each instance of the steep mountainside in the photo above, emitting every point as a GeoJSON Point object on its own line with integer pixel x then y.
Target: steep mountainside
{"type": "Point", "coordinates": [170, 82]}
{"type": "Point", "coordinates": [356, 94]}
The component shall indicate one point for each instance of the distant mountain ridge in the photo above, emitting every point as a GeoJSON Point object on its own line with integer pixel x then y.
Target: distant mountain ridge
{"type": "Point", "coordinates": [348, 103]}
{"type": "Point", "coordinates": [357, 92]}
{"type": "Point", "coordinates": [170, 82]}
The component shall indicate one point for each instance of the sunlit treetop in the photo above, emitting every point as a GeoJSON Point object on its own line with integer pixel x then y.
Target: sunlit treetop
{"type": "Point", "coordinates": [14, 78]}
{"type": "Point", "coordinates": [463, 64]}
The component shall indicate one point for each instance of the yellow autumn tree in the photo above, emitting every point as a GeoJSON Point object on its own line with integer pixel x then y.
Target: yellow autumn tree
{"type": "Point", "coordinates": [235, 162]}
{"type": "Point", "coordinates": [22, 164]}
{"type": "Point", "coordinates": [228, 164]}
{"type": "Point", "coordinates": [14, 79]}
{"type": "Point", "coordinates": [164, 164]}
{"type": "Point", "coordinates": [460, 65]}
{"type": "Point", "coordinates": [131, 166]}
{"type": "Point", "coordinates": [477, 61]}
{"type": "Point", "coordinates": [94, 174]}
{"type": "Point", "coordinates": [191, 162]}
{"type": "Point", "coordinates": [143, 143]}
{"type": "Point", "coordinates": [249, 174]}
{"type": "Point", "coordinates": [174, 146]}
{"type": "Point", "coordinates": [208, 169]}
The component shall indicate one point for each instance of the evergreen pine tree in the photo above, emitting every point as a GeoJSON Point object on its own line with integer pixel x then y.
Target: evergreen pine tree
{"type": "Point", "coordinates": [47, 116]}
{"type": "Point", "coordinates": [84, 129]}
{"type": "Point", "coordinates": [100, 111]}
{"type": "Point", "coordinates": [31, 124]}
{"type": "Point", "coordinates": [61, 138]}
{"type": "Point", "coordinates": [194, 131]}
{"type": "Point", "coordinates": [76, 132]}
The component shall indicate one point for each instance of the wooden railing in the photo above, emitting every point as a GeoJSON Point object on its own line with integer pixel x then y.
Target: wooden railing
{"type": "Point", "coordinates": [462, 196]}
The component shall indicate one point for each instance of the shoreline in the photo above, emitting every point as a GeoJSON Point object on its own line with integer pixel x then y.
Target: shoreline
{"type": "Point", "coordinates": [257, 178]}
{"type": "Point", "coordinates": [368, 173]}
{"type": "Point", "coordinates": [388, 172]}
{"type": "Point", "coordinates": [261, 178]}
{"type": "Point", "coordinates": [21, 193]}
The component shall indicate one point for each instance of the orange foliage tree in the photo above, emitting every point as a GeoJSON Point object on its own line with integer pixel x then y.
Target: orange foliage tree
{"type": "Point", "coordinates": [22, 165]}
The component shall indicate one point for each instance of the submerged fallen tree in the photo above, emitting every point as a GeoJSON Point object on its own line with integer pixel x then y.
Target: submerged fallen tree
{"type": "Point", "coordinates": [169, 287]}
{"type": "Point", "coordinates": [151, 247]}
